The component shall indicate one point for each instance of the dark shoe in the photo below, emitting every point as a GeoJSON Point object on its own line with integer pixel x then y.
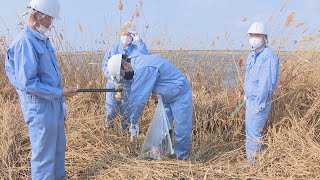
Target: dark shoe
{"type": "Point", "coordinates": [173, 156]}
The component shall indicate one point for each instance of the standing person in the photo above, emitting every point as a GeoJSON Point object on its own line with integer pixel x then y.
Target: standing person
{"type": "Point", "coordinates": [261, 79]}
{"type": "Point", "coordinates": [130, 44]}
{"type": "Point", "coordinates": [154, 74]}
{"type": "Point", "coordinates": [32, 68]}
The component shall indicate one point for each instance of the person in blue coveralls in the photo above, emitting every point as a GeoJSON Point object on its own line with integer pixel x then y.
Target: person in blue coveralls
{"type": "Point", "coordinates": [32, 69]}
{"type": "Point", "coordinates": [154, 74]}
{"type": "Point", "coordinates": [130, 43]}
{"type": "Point", "coordinates": [261, 79]}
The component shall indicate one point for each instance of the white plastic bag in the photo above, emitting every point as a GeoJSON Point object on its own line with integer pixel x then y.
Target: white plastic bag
{"type": "Point", "coordinates": [157, 143]}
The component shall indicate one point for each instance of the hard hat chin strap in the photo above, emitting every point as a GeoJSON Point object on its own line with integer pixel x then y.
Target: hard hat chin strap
{"type": "Point", "coordinates": [31, 15]}
{"type": "Point", "coordinates": [35, 22]}
{"type": "Point", "coordinates": [266, 40]}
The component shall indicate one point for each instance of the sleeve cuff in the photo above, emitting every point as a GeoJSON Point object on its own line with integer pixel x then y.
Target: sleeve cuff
{"type": "Point", "coordinates": [133, 120]}
{"type": "Point", "coordinates": [59, 93]}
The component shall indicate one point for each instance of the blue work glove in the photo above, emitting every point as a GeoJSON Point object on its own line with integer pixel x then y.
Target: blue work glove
{"type": "Point", "coordinates": [134, 130]}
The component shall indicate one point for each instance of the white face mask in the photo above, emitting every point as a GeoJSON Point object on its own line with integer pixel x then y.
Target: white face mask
{"type": "Point", "coordinates": [41, 29]}
{"type": "Point", "coordinates": [256, 42]}
{"type": "Point", "coordinates": [126, 40]}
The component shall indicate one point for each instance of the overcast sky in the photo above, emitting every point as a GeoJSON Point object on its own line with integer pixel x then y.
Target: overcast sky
{"type": "Point", "coordinates": [172, 24]}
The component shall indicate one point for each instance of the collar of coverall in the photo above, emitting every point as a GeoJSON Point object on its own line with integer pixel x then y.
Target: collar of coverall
{"type": "Point", "coordinates": [260, 51]}
{"type": "Point", "coordinates": [36, 34]}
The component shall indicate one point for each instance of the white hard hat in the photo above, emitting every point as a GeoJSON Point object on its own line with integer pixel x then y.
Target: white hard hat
{"type": "Point", "coordinates": [47, 7]}
{"type": "Point", "coordinates": [257, 28]}
{"type": "Point", "coordinates": [114, 67]}
{"type": "Point", "coordinates": [132, 30]}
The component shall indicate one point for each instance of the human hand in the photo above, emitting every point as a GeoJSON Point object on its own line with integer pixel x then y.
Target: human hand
{"type": "Point", "coordinates": [135, 38]}
{"type": "Point", "coordinates": [69, 92]}
{"type": "Point", "coordinates": [154, 97]}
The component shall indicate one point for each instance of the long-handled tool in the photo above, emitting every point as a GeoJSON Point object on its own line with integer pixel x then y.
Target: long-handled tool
{"type": "Point", "coordinates": [99, 90]}
{"type": "Point", "coordinates": [118, 89]}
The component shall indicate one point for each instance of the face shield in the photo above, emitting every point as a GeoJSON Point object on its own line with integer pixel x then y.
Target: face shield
{"type": "Point", "coordinates": [43, 23]}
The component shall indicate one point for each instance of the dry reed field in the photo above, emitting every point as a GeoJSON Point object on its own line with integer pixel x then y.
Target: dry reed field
{"type": "Point", "coordinates": [291, 143]}
{"type": "Point", "coordinates": [292, 134]}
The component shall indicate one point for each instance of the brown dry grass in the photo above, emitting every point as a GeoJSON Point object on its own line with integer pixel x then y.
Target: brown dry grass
{"type": "Point", "coordinates": [291, 142]}
{"type": "Point", "coordinates": [120, 5]}
{"type": "Point", "coordinates": [290, 19]}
